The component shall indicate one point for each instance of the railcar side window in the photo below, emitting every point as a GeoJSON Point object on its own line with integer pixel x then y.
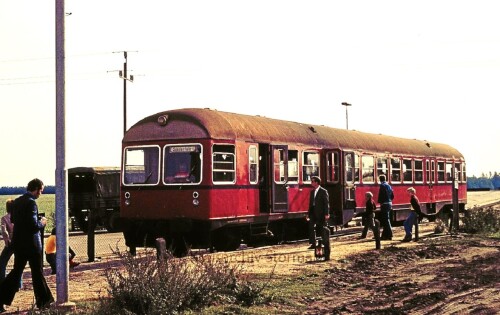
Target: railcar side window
{"type": "Point", "coordinates": [382, 167]}
{"type": "Point", "coordinates": [253, 164]}
{"type": "Point", "coordinates": [449, 173]}
{"type": "Point", "coordinates": [333, 167]}
{"type": "Point", "coordinates": [419, 171]}
{"type": "Point", "coordinates": [464, 173]}
{"type": "Point", "coordinates": [182, 164]}
{"type": "Point", "coordinates": [224, 163]}
{"type": "Point", "coordinates": [407, 171]}
{"type": "Point", "coordinates": [395, 170]}
{"type": "Point", "coordinates": [351, 167]}
{"type": "Point", "coordinates": [440, 171]}
{"type": "Point", "coordinates": [368, 168]}
{"type": "Point", "coordinates": [311, 166]}
{"type": "Point", "coordinates": [293, 166]}
{"type": "Point", "coordinates": [141, 165]}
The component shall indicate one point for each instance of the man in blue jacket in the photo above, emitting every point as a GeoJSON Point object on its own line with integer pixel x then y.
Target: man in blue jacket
{"type": "Point", "coordinates": [27, 243]}
{"type": "Point", "coordinates": [385, 197]}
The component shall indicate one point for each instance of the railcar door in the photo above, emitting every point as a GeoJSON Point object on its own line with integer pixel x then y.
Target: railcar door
{"type": "Point", "coordinates": [279, 190]}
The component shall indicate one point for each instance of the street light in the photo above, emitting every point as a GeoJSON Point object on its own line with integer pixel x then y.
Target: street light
{"type": "Point", "coordinates": [346, 117]}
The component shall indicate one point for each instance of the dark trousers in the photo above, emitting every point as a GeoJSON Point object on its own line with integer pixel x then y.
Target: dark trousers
{"type": "Point", "coordinates": [370, 223]}
{"type": "Point", "coordinates": [10, 285]}
{"type": "Point", "coordinates": [315, 229]}
{"type": "Point", "coordinates": [385, 220]}
{"type": "Point", "coordinates": [320, 228]}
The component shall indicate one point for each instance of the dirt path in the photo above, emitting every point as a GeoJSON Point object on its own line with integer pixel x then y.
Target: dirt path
{"type": "Point", "coordinates": [426, 277]}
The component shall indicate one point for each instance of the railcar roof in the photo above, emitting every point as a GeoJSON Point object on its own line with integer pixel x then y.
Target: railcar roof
{"type": "Point", "coordinates": [204, 123]}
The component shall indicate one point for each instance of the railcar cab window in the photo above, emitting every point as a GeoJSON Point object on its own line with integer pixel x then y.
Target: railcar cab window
{"type": "Point", "coordinates": [141, 165]}
{"type": "Point", "coordinates": [253, 168]}
{"type": "Point", "coordinates": [224, 164]}
{"type": "Point", "coordinates": [182, 164]}
{"type": "Point", "coordinates": [351, 167]}
{"type": "Point", "coordinates": [311, 165]}
{"type": "Point", "coordinates": [395, 170]}
{"type": "Point", "coordinates": [333, 167]}
{"type": "Point", "coordinates": [368, 168]}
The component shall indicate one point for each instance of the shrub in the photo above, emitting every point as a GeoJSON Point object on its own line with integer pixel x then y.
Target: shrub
{"type": "Point", "coordinates": [484, 220]}
{"type": "Point", "coordinates": [146, 285]}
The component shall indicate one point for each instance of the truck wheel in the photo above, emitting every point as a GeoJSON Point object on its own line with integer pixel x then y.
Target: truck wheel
{"type": "Point", "coordinates": [113, 222]}
{"type": "Point", "coordinates": [83, 223]}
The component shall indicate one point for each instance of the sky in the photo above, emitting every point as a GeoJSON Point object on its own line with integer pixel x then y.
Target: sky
{"type": "Point", "coordinates": [426, 70]}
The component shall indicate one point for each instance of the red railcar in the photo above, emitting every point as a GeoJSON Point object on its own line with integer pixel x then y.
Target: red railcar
{"type": "Point", "coordinates": [210, 179]}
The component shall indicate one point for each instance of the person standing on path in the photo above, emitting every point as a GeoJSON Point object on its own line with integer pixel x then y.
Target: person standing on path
{"type": "Point", "coordinates": [318, 215]}
{"type": "Point", "coordinates": [385, 197]}
{"type": "Point", "coordinates": [369, 217]}
{"type": "Point", "coordinates": [27, 242]}
{"type": "Point", "coordinates": [415, 215]}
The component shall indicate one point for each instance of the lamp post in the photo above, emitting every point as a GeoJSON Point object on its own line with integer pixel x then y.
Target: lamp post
{"type": "Point", "coordinates": [346, 117]}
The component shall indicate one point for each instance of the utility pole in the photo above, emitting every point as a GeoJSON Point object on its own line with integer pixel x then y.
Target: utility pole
{"type": "Point", "coordinates": [123, 75]}
{"type": "Point", "coordinates": [346, 117]}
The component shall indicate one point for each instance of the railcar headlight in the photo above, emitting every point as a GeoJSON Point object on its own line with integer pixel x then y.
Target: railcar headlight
{"type": "Point", "coordinates": [127, 198]}
{"type": "Point", "coordinates": [196, 195]}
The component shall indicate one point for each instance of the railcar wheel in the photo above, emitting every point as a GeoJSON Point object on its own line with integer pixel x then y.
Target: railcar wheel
{"type": "Point", "coordinates": [179, 246]}
{"type": "Point", "coordinates": [226, 240]}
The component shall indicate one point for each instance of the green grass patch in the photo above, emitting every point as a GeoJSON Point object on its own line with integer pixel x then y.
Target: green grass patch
{"type": "Point", "coordinates": [46, 204]}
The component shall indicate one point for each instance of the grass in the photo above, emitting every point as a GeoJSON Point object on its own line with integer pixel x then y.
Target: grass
{"type": "Point", "coordinates": [46, 204]}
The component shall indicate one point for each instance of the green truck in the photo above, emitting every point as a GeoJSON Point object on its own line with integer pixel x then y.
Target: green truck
{"type": "Point", "coordinates": [94, 197]}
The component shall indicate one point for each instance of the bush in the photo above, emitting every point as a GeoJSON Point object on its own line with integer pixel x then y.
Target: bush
{"type": "Point", "coordinates": [146, 285]}
{"type": "Point", "coordinates": [483, 220]}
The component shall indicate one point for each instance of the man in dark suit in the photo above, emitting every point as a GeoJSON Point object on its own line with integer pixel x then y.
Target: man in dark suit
{"type": "Point", "coordinates": [318, 215]}
{"type": "Point", "coordinates": [27, 244]}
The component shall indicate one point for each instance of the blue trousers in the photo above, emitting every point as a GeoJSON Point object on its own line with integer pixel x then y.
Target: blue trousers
{"type": "Point", "coordinates": [409, 223]}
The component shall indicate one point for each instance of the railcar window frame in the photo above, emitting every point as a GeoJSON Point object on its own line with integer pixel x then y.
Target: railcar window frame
{"type": "Point", "coordinates": [309, 168]}
{"type": "Point", "coordinates": [367, 169]}
{"type": "Point", "coordinates": [228, 158]}
{"type": "Point", "coordinates": [333, 167]}
{"type": "Point", "coordinates": [253, 164]}
{"type": "Point", "coordinates": [192, 175]}
{"type": "Point", "coordinates": [293, 166]}
{"type": "Point", "coordinates": [418, 168]}
{"type": "Point", "coordinates": [126, 167]}
{"type": "Point", "coordinates": [441, 168]}
{"type": "Point", "coordinates": [395, 171]}
{"type": "Point", "coordinates": [351, 167]}
{"type": "Point", "coordinates": [382, 164]}
{"type": "Point", "coordinates": [407, 171]}
{"type": "Point", "coordinates": [449, 171]}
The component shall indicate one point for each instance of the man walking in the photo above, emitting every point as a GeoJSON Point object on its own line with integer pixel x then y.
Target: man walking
{"type": "Point", "coordinates": [27, 243]}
